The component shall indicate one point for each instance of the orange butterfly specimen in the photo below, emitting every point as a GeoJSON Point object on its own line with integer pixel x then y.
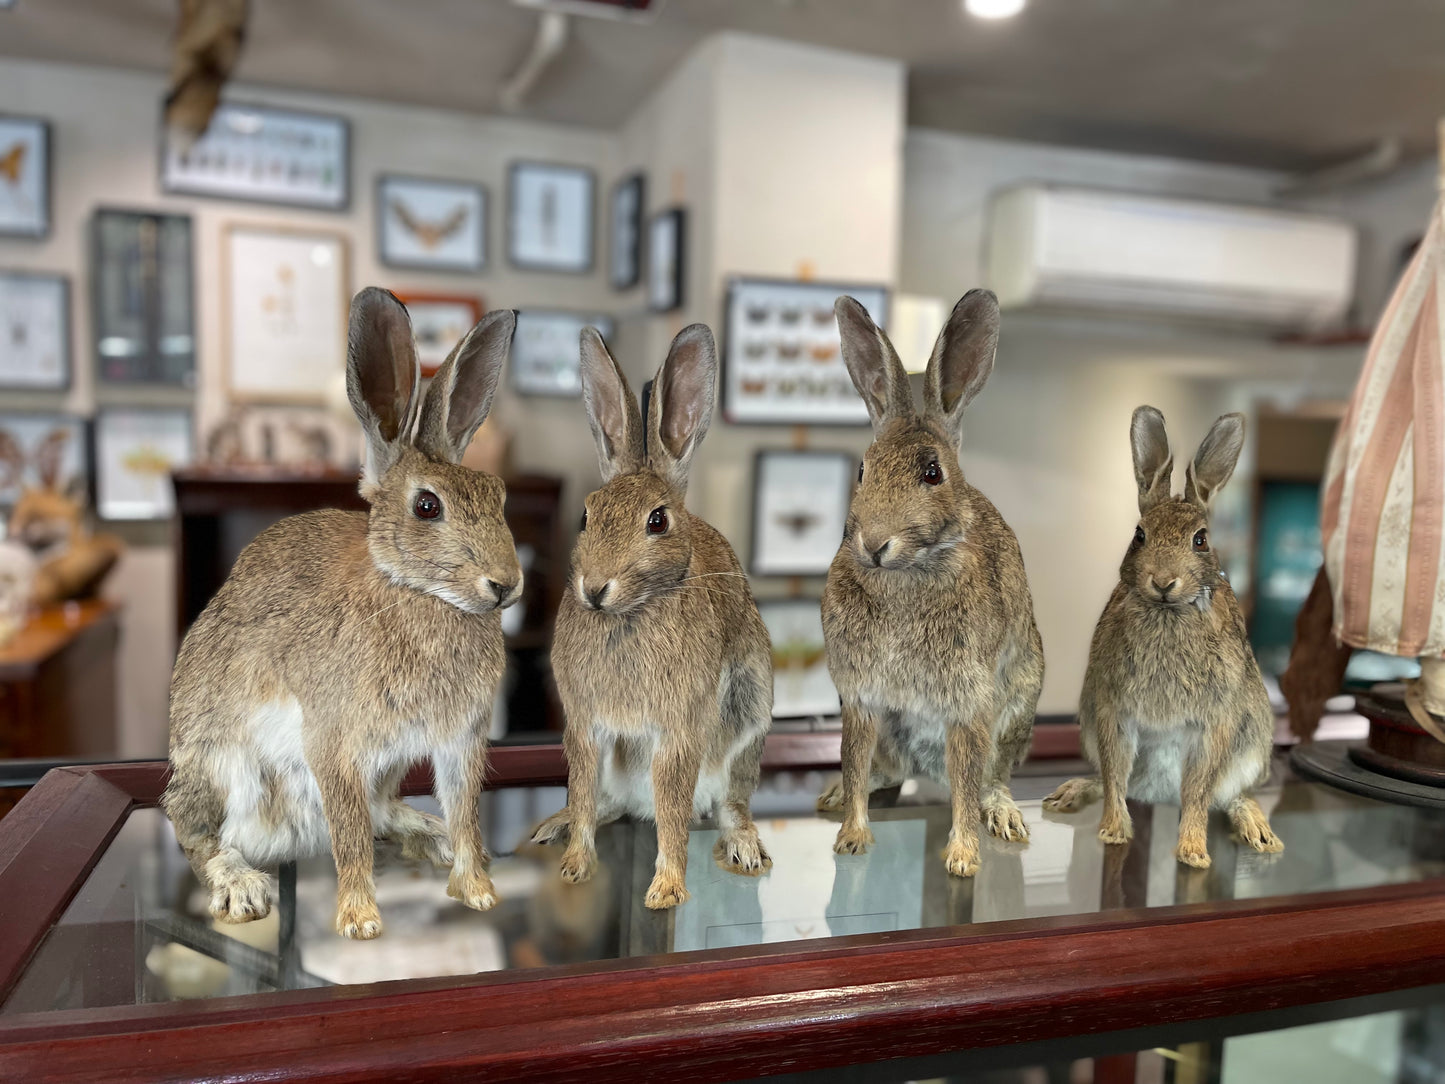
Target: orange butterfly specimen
{"type": "Point", "coordinates": [11, 163]}
{"type": "Point", "coordinates": [430, 234]}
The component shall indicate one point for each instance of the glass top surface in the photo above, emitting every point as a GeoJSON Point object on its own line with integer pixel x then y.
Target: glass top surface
{"type": "Point", "coordinates": [138, 931]}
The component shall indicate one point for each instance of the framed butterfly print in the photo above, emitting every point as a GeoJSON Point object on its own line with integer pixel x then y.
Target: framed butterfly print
{"type": "Point", "coordinates": [24, 177]}
{"type": "Point", "coordinates": [431, 225]}
{"type": "Point", "coordinates": [800, 505]}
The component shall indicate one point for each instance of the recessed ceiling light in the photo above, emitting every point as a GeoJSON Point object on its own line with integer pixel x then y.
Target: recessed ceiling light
{"type": "Point", "coordinates": [993, 9]}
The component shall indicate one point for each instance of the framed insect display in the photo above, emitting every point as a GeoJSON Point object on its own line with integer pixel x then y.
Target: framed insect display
{"type": "Point", "coordinates": [264, 154]}
{"type": "Point", "coordinates": [800, 506]}
{"type": "Point", "coordinates": [801, 683]}
{"type": "Point", "coordinates": [34, 331]}
{"type": "Point", "coordinates": [136, 450]}
{"type": "Point", "coordinates": [24, 177]}
{"type": "Point", "coordinates": [550, 217]}
{"type": "Point", "coordinates": [143, 298]}
{"type": "Point", "coordinates": [48, 450]}
{"type": "Point", "coordinates": [782, 354]}
{"type": "Point", "coordinates": [628, 200]}
{"type": "Point", "coordinates": [666, 260]}
{"type": "Point", "coordinates": [546, 356]}
{"type": "Point", "coordinates": [431, 225]}
{"type": "Point", "coordinates": [438, 322]}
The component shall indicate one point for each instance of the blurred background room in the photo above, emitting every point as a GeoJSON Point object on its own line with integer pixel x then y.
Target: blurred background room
{"type": "Point", "coordinates": [1198, 206]}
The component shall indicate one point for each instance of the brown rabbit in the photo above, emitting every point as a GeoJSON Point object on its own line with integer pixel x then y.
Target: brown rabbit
{"type": "Point", "coordinates": [927, 616]}
{"type": "Point", "coordinates": [664, 664]}
{"type": "Point", "coordinates": [347, 645]}
{"type": "Point", "coordinates": [1173, 706]}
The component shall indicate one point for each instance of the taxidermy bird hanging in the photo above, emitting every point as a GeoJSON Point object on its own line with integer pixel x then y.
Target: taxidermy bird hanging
{"type": "Point", "coordinates": [207, 44]}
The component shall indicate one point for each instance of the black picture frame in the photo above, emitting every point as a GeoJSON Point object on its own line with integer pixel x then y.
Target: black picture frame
{"type": "Point", "coordinates": [153, 364]}
{"type": "Point", "coordinates": [831, 521]}
{"type": "Point", "coordinates": [624, 269]}
{"type": "Point", "coordinates": [570, 321]}
{"type": "Point", "coordinates": [667, 293]}
{"type": "Point", "coordinates": [339, 204]}
{"type": "Point", "coordinates": [46, 132]}
{"type": "Point", "coordinates": [516, 175]}
{"type": "Point", "coordinates": [67, 346]}
{"type": "Point", "coordinates": [730, 366]}
{"type": "Point", "coordinates": [380, 214]}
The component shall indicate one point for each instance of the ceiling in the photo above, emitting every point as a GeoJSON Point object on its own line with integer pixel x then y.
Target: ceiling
{"type": "Point", "coordinates": [1290, 84]}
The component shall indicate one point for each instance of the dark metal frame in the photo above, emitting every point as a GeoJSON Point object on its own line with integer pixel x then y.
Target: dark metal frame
{"type": "Point", "coordinates": [639, 182]}
{"type": "Point", "coordinates": [679, 278]}
{"type": "Point", "coordinates": [484, 224]}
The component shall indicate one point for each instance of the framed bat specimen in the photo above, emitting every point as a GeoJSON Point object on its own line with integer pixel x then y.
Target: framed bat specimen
{"type": "Point", "coordinates": [431, 225]}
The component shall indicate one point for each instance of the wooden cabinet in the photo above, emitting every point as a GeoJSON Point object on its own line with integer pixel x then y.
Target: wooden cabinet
{"type": "Point", "coordinates": [57, 683]}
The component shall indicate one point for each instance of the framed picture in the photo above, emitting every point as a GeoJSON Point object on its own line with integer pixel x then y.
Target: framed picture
{"type": "Point", "coordinates": [782, 354]}
{"type": "Point", "coordinates": [800, 506]}
{"type": "Point", "coordinates": [24, 177]}
{"type": "Point", "coordinates": [34, 331]}
{"type": "Point", "coordinates": [438, 322]}
{"type": "Point", "coordinates": [285, 298]}
{"type": "Point", "coordinates": [629, 197]}
{"type": "Point", "coordinates": [35, 448]}
{"type": "Point", "coordinates": [266, 155]}
{"type": "Point", "coordinates": [801, 683]}
{"type": "Point", "coordinates": [549, 217]}
{"type": "Point", "coordinates": [666, 259]}
{"type": "Point", "coordinates": [135, 451]}
{"type": "Point", "coordinates": [431, 225]}
{"type": "Point", "coordinates": [142, 298]}
{"type": "Point", "coordinates": [546, 352]}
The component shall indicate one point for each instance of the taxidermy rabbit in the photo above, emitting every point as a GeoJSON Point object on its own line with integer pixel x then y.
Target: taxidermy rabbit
{"type": "Point", "coordinates": [664, 664]}
{"type": "Point", "coordinates": [927, 616]}
{"type": "Point", "coordinates": [345, 646]}
{"type": "Point", "coordinates": [1173, 706]}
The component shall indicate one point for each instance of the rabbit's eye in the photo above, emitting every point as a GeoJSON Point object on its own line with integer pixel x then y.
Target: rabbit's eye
{"type": "Point", "coordinates": [1201, 540]}
{"type": "Point", "coordinates": [933, 473]}
{"type": "Point", "coordinates": [427, 505]}
{"type": "Point", "coordinates": [657, 522]}
{"type": "Point", "coordinates": [1138, 536]}
{"type": "Point", "coordinates": [584, 520]}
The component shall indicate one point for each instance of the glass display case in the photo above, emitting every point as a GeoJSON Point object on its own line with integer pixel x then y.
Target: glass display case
{"type": "Point", "coordinates": [1060, 950]}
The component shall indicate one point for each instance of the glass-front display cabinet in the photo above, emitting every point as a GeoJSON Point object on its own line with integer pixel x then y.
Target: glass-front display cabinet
{"type": "Point", "coordinates": [1319, 963]}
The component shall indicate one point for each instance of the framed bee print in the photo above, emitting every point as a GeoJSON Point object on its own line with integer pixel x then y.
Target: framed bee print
{"type": "Point", "coordinates": [550, 217]}
{"type": "Point", "coordinates": [285, 295]}
{"type": "Point", "coordinates": [438, 322]}
{"type": "Point", "coordinates": [136, 450]}
{"type": "Point", "coordinates": [264, 154]}
{"type": "Point", "coordinates": [24, 177]}
{"type": "Point", "coordinates": [628, 199]}
{"type": "Point", "coordinates": [800, 506]}
{"type": "Point", "coordinates": [34, 331]}
{"type": "Point", "coordinates": [666, 260]}
{"type": "Point", "coordinates": [431, 225]}
{"type": "Point", "coordinates": [802, 686]}
{"type": "Point", "coordinates": [546, 353]}
{"type": "Point", "coordinates": [782, 353]}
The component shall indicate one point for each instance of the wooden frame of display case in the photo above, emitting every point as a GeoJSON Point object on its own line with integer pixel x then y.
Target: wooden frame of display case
{"type": "Point", "coordinates": [712, 1015]}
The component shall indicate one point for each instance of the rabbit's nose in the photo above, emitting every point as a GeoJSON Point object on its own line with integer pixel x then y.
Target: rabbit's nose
{"type": "Point", "coordinates": [1164, 588]}
{"type": "Point", "coordinates": [878, 554]}
{"type": "Point", "coordinates": [505, 593]}
{"type": "Point", "coordinates": [594, 598]}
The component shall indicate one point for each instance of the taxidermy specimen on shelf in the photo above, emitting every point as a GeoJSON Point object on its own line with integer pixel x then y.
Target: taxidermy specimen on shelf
{"type": "Point", "coordinates": [347, 645]}
{"type": "Point", "coordinates": [1173, 707]}
{"type": "Point", "coordinates": [663, 663]}
{"type": "Point", "coordinates": [927, 615]}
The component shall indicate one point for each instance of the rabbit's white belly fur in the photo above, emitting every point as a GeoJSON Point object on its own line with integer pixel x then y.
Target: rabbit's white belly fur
{"type": "Point", "coordinates": [274, 748]}
{"type": "Point", "coordinates": [918, 736]}
{"type": "Point", "coordinates": [1158, 773]}
{"type": "Point", "coordinates": [625, 788]}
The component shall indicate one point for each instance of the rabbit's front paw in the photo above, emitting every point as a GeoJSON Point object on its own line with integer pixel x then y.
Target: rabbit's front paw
{"type": "Point", "coordinates": [853, 839]}
{"type": "Point", "coordinates": [578, 866]}
{"type": "Point", "coordinates": [831, 800]}
{"type": "Point", "coordinates": [358, 920]}
{"type": "Point", "coordinates": [1192, 851]}
{"type": "Point", "coordinates": [240, 896]}
{"type": "Point", "coordinates": [742, 852]}
{"type": "Point", "coordinates": [668, 889]}
{"type": "Point", "coordinates": [475, 890]}
{"type": "Point", "coordinates": [961, 857]}
{"type": "Point", "coordinates": [1004, 819]}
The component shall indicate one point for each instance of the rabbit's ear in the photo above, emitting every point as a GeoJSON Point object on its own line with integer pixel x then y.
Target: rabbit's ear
{"type": "Point", "coordinates": [1153, 465]}
{"type": "Point", "coordinates": [876, 371]}
{"type": "Point", "coordinates": [682, 403]}
{"type": "Point", "coordinates": [962, 360]}
{"type": "Point", "coordinates": [460, 395]}
{"type": "Point", "coordinates": [381, 378]}
{"type": "Point", "coordinates": [1214, 462]}
{"type": "Point", "coordinates": [611, 409]}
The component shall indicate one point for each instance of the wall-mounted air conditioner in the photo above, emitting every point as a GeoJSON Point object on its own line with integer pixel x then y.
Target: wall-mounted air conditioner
{"type": "Point", "coordinates": [1075, 248]}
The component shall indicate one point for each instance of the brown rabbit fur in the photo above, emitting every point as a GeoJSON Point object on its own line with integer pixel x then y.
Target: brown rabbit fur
{"type": "Point", "coordinates": [927, 615]}
{"type": "Point", "coordinates": [1173, 706]}
{"type": "Point", "coordinates": [344, 646]}
{"type": "Point", "coordinates": [664, 665]}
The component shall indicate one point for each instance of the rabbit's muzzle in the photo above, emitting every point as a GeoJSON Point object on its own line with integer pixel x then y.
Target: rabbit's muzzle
{"type": "Point", "coordinates": [502, 593]}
